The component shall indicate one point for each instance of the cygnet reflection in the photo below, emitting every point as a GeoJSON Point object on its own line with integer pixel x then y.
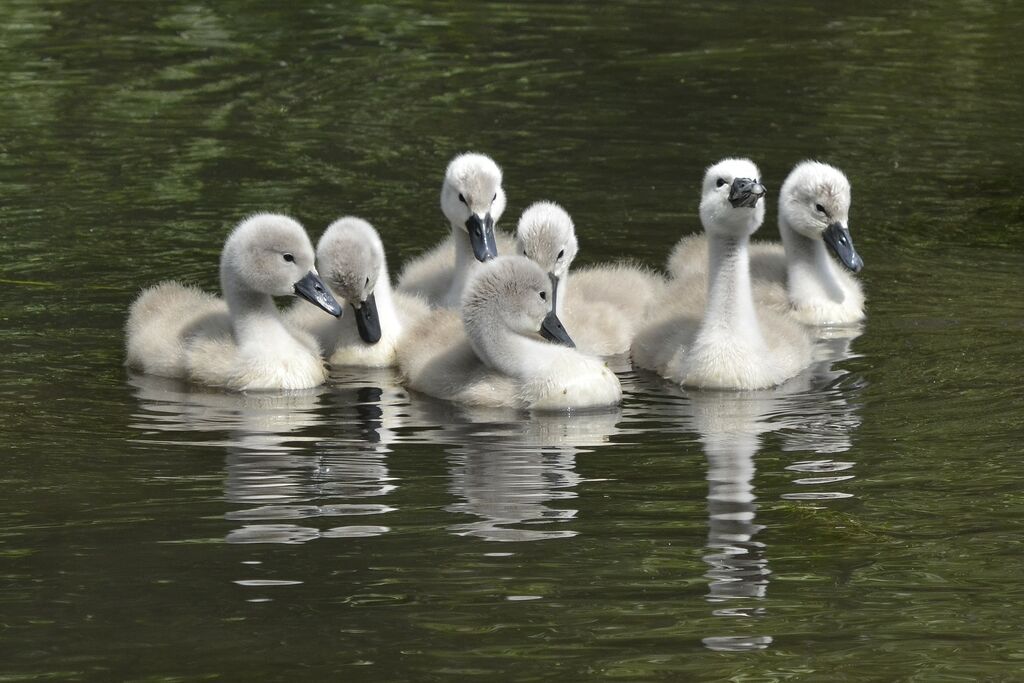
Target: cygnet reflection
{"type": "Point", "coordinates": [289, 455]}
{"type": "Point", "coordinates": [815, 412]}
{"type": "Point", "coordinates": [514, 473]}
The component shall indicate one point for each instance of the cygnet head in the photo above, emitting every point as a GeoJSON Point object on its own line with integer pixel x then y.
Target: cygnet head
{"type": "Point", "coordinates": [350, 257]}
{"type": "Point", "coordinates": [472, 198]}
{"type": "Point", "coordinates": [815, 202]}
{"type": "Point", "coordinates": [270, 254]}
{"type": "Point", "coordinates": [515, 293]}
{"type": "Point", "coordinates": [546, 235]}
{"type": "Point", "coordinates": [732, 199]}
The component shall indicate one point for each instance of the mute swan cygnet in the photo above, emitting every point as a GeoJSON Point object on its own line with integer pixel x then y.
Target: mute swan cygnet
{"type": "Point", "coordinates": [239, 342]}
{"type": "Point", "coordinates": [492, 356]}
{"type": "Point", "coordinates": [732, 345]}
{"type": "Point", "coordinates": [606, 303]}
{"type": "Point", "coordinates": [799, 277]}
{"type": "Point", "coordinates": [350, 258]}
{"type": "Point", "coordinates": [472, 200]}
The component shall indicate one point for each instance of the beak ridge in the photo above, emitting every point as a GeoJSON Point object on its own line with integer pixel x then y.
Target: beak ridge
{"type": "Point", "coordinates": [312, 289]}
{"type": "Point", "coordinates": [837, 237]}
{"type": "Point", "coordinates": [481, 237]}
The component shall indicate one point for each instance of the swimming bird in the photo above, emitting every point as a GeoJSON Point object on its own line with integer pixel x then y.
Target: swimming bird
{"type": "Point", "coordinates": [798, 277]}
{"type": "Point", "coordinates": [730, 345]}
{"type": "Point", "coordinates": [491, 356]}
{"type": "Point", "coordinates": [606, 303]}
{"type": "Point", "coordinates": [472, 199]}
{"type": "Point", "coordinates": [239, 342]}
{"type": "Point", "coordinates": [350, 258]}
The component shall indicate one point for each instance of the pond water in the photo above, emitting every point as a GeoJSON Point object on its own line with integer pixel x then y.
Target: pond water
{"type": "Point", "coordinates": [863, 522]}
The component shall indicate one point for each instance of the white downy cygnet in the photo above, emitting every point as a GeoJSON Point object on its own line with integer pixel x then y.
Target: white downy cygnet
{"type": "Point", "coordinates": [492, 356]}
{"type": "Point", "coordinates": [472, 200]}
{"type": "Point", "coordinates": [732, 345]}
{"type": "Point", "coordinates": [606, 304]}
{"type": "Point", "coordinates": [350, 259]}
{"type": "Point", "coordinates": [239, 342]}
{"type": "Point", "coordinates": [798, 277]}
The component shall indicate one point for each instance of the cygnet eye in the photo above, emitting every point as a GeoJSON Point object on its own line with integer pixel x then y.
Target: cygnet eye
{"type": "Point", "coordinates": [462, 199]}
{"type": "Point", "coordinates": [367, 282]}
{"type": "Point", "coordinates": [720, 182]}
{"type": "Point", "coordinates": [544, 296]}
{"type": "Point", "coordinates": [819, 208]}
{"type": "Point", "coordinates": [494, 197]}
{"type": "Point", "coordinates": [289, 258]}
{"type": "Point", "coordinates": [561, 254]}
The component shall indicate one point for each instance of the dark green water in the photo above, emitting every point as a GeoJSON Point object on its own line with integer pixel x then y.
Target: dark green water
{"type": "Point", "coordinates": [862, 524]}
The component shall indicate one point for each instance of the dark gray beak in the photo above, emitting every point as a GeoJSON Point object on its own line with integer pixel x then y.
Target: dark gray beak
{"type": "Point", "coordinates": [745, 192]}
{"type": "Point", "coordinates": [552, 328]}
{"type": "Point", "coordinates": [837, 237]}
{"type": "Point", "coordinates": [481, 236]}
{"type": "Point", "coordinates": [312, 289]}
{"type": "Point", "coordinates": [367, 320]}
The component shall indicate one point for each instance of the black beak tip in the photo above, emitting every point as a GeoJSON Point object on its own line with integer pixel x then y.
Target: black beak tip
{"type": "Point", "coordinates": [368, 321]}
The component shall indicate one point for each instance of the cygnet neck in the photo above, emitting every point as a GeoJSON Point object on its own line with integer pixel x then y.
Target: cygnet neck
{"type": "Point", "coordinates": [465, 266]}
{"type": "Point", "coordinates": [560, 294]}
{"type": "Point", "coordinates": [811, 271]}
{"type": "Point", "coordinates": [254, 315]}
{"type": "Point", "coordinates": [384, 298]}
{"type": "Point", "coordinates": [507, 352]}
{"type": "Point", "coordinates": [730, 306]}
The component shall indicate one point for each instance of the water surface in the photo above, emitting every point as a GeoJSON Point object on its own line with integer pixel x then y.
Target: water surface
{"type": "Point", "coordinates": [863, 522]}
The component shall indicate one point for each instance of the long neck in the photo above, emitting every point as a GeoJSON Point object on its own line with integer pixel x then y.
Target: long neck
{"type": "Point", "coordinates": [390, 323]}
{"type": "Point", "coordinates": [465, 265]}
{"type": "Point", "coordinates": [730, 306]}
{"type": "Point", "coordinates": [811, 272]}
{"type": "Point", "coordinates": [507, 352]}
{"type": "Point", "coordinates": [254, 316]}
{"type": "Point", "coordinates": [560, 293]}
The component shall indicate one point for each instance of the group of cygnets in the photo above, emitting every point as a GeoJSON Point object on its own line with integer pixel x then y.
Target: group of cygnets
{"type": "Point", "coordinates": [466, 324]}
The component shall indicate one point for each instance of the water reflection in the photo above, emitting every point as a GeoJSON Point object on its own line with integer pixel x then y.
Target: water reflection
{"type": "Point", "coordinates": [515, 473]}
{"type": "Point", "coordinates": [813, 413]}
{"type": "Point", "coordinates": [323, 454]}
{"type": "Point", "coordinates": [290, 456]}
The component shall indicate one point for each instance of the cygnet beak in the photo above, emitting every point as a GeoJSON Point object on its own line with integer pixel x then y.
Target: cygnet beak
{"type": "Point", "coordinates": [837, 237]}
{"type": "Point", "coordinates": [481, 236]}
{"type": "Point", "coordinates": [745, 192]}
{"type": "Point", "coordinates": [312, 289]}
{"type": "Point", "coordinates": [553, 330]}
{"type": "Point", "coordinates": [367, 320]}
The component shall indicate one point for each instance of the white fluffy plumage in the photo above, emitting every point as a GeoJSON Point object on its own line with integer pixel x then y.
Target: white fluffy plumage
{"type": "Point", "coordinates": [471, 189]}
{"type": "Point", "coordinates": [491, 356]}
{"type": "Point", "coordinates": [351, 260]}
{"type": "Point", "coordinates": [797, 277]}
{"type": "Point", "coordinates": [238, 342]}
{"type": "Point", "coordinates": [605, 305]}
{"type": "Point", "coordinates": [715, 337]}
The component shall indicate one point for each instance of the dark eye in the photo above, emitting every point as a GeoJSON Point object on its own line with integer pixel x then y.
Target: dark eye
{"type": "Point", "coordinates": [494, 197]}
{"type": "Point", "coordinates": [461, 198]}
{"type": "Point", "coordinates": [720, 182]}
{"type": "Point", "coordinates": [819, 208]}
{"type": "Point", "coordinates": [289, 258]}
{"type": "Point", "coordinates": [367, 282]}
{"type": "Point", "coordinates": [544, 296]}
{"type": "Point", "coordinates": [561, 253]}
